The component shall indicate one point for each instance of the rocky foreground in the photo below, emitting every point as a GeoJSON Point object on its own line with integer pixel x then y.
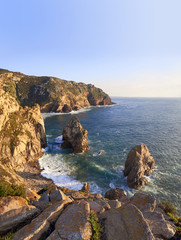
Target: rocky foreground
{"type": "Point", "coordinates": [64, 214]}
{"type": "Point", "coordinates": [52, 94]}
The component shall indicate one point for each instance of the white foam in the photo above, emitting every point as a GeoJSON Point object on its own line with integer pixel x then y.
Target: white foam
{"type": "Point", "coordinates": [59, 139]}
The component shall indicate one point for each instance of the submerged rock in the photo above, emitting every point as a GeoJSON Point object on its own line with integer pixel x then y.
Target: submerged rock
{"type": "Point", "coordinates": [74, 136]}
{"type": "Point", "coordinates": [139, 164]}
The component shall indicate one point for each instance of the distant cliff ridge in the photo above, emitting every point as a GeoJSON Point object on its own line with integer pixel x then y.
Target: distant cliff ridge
{"type": "Point", "coordinates": [52, 94]}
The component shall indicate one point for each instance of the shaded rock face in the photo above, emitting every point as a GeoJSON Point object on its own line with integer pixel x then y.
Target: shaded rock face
{"type": "Point", "coordinates": [139, 164]}
{"type": "Point", "coordinates": [15, 212]}
{"type": "Point", "coordinates": [52, 94]}
{"type": "Point", "coordinates": [74, 136]}
{"type": "Point", "coordinates": [22, 133]}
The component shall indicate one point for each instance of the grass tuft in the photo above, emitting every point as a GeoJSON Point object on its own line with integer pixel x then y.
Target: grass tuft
{"type": "Point", "coordinates": [7, 189]}
{"type": "Point", "coordinates": [96, 227]}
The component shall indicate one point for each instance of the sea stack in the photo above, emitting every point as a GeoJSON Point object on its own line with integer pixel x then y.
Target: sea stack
{"type": "Point", "coordinates": [74, 136]}
{"type": "Point", "coordinates": [139, 164]}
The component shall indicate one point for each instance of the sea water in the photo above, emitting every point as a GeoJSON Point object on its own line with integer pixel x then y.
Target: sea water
{"type": "Point", "coordinates": [115, 130]}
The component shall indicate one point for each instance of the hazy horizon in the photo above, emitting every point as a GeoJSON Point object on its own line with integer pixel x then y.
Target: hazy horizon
{"type": "Point", "coordinates": [127, 48]}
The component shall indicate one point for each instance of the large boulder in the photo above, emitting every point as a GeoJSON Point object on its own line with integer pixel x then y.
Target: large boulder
{"type": "Point", "coordinates": [41, 226]}
{"type": "Point", "coordinates": [74, 223]}
{"type": "Point", "coordinates": [139, 164]}
{"type": "Point", "coordinates": [15, 212]}
{"type": "Point", "coordinates": [74, 136]}
{"type": "Point", "coordinates": [125, 223]}
{"type": "Point", "coordinates": [114, 194]}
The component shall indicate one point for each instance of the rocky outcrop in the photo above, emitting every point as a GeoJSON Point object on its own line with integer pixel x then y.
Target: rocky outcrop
{"type": "Point", "coordinates": [115, 194]}
{"type": "Point", "coordinates": [139, 164]}
{"type": "Point", "coordinates": [52, 94]}
{"type": "Point", "coordinates": [74, 136]}
{"type": "Point", "coordinates": [74, 223]}
{"type": "Point", "coordinates": [22, 133]}
{"type": "Point", "coordinates": [14, 213]}
{"type": "Point", "coordinates": [126, 222]}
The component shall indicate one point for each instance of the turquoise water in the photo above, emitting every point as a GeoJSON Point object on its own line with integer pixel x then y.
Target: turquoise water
{"type": "Point", "coordinates": [114, 130]}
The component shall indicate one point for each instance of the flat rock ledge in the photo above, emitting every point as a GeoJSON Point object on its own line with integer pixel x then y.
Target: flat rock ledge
{"type": "Point", "coordinates": [139, 164]}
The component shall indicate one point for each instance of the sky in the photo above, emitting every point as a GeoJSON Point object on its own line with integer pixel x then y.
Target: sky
{"type": "Point", "coordinates": [129, 48]}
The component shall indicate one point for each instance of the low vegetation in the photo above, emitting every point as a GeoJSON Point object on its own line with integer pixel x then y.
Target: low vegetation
{"type": "Point", "coordinates": [96, 227]}
{"type": "Point", "coordinates": [8, 236]}
{"type": "Point", "coordinates": [7, 189]}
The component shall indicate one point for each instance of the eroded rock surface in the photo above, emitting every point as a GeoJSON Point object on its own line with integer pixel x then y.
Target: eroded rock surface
{"type": "Point", "coordinates": [139, 164]}
{"type": "Point", "coordinates": [73, 223]}
{"type": "Point", "coordinates": [126, 223]}
{"type": "Point", "coordinates": [15, 212]}
{"type": "Point", "coordinates": [74, 136]}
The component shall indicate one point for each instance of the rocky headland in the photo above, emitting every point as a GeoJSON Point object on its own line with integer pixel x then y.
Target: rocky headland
{"type": "Point", "coordinates": [52, 94]}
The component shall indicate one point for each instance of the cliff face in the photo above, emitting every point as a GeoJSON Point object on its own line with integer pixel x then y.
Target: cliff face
{"type": "Point", "coordinates": [22, 135]}
{"type": "Point", "coordinates": [52, 94]}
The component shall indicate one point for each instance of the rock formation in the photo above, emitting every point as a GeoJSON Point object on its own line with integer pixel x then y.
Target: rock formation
{"type": "Point", "coordinates": [52, 94]}
{"type": "Point", "coordinates": [74, 136]}
{"type": "Point", "coordinates": [67, 218]}
{"type": "Point", "coordinates": [22, 136]}
{"type": "Point", "coordinates": [139, 164]}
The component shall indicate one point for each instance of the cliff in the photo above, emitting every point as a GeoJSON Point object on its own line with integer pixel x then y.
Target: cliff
{"type": "Point", "coordinates": [52, 94]}
{"type": "Point", "coordinates": [22, 135]}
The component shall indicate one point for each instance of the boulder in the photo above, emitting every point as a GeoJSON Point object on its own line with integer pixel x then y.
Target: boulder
{"type": "Point", "coordinates": [15, 212]}
{"type": "Point", "coordinates": [74, 136]}
{"type": "Point", "coordinates": [103, 203]}
{"type": "Point", "coordinates": [94, 206]}
{"type": "Point", "coordinates": [139, 164]}
{"type": "Point", "coordinates": [77, 195]}
{"type": "Point", "coordinates": [40, 227]}
{"type": "Point", "coordinates": [57, 195]}
{"type": "Point", "coordinates": [159, 226]}
{"type": "Point", "coordinates": [114, 194]}
{"type": "Point", "coordinates": [145, 202]}
{"type": "Point", "coordinates": [114, 203]}
{"type": "Point", "coordinates": [73, 223]}
{"type": "Point", "coordinates": [125, 223]}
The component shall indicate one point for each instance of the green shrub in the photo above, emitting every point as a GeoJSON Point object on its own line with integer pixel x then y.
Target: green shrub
{"type": "Point", "coordinates": [7, 189]}
{"type": "Point", "coordinates": [96, 227]}
{"type": "Point", "coordinates": [8, 236]}
{"type": "Point", "coordinates": [168, 208]}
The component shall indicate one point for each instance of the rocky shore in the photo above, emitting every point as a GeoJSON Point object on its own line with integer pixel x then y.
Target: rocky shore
{"type": "Point", "coordinates": [33, 208]}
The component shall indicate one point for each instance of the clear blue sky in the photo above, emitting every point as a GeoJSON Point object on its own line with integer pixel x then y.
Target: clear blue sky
{"type": "Point", "coordinates": [126, 47]}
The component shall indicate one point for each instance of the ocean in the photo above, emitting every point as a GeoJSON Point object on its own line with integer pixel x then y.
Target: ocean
{"type": "Point", "coordinates": [115, 130]}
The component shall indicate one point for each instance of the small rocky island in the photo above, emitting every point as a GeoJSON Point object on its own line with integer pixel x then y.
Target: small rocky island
{"type": "Point", "coordinates": [139, 164]}
{"type": "Point", "coordinates": [74, 136]}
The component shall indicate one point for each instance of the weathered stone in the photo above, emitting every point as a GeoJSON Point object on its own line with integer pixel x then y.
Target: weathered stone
{"type": "Point", "coordinates": [114, 203]}
{"type": "Point", "coordinates": [145, 202]}
{"type": "Point", "coordinates": [74, 136]}
{"type": "Point", "coordinates": [114, 194]}
{"type": "Point", "coordinates": [40, 227]}
{"type": "Point", "coordinates": [96, 196]}
{"type": "Point", "coordinates": [125, 223]}
{"type": "Point", "coordinates": [78, 196]}
{"type": "Point", "coordinates": [15, 212]}
{"type": "Point", "coordinates": [57, 195]}
{"type": "Point", "coordinates": [74, 223]}
{"type": "Point", "coordinates": [96, 207]}
{"type": "Point", "coordinates": [159, 226]}
{"type": "Point", "coordinates": [45, 197]}
{"type": "Point", "coordinates": [31, 195]}
{"type": "Point", "coordinates": [86, 188]}
{"type": "Point", "coordinates": [103, 203]}
{"type": "Point", "coordinates": [139, 163]}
